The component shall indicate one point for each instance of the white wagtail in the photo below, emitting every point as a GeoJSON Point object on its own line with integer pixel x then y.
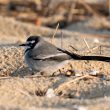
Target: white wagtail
{"type": "Point", "coordinates": [41, 55]}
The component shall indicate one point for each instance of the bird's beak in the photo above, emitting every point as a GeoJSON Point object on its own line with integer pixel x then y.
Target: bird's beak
{"type": "Point", "coordinates": [23, 45]}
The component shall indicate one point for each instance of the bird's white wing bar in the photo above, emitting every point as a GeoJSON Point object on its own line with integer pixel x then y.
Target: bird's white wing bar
{"type": "Point", "coordinates": [53, 56]}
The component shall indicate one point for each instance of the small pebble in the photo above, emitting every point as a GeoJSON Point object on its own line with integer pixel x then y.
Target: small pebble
{"type": "Point", "coordinates": [50, 93]}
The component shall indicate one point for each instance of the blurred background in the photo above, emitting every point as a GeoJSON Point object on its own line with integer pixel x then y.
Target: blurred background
{"type": "Point", "coordinates": [84, 28]}
{"type": "Point", "coordinates": [88, 16]}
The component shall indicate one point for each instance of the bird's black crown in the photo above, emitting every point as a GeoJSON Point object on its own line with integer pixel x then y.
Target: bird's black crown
{"type": "Point", "coordinates": [34, 38]}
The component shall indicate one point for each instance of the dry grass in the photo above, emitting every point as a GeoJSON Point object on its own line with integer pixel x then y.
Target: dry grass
{"type": "Point", "coordinates": [19, 91]}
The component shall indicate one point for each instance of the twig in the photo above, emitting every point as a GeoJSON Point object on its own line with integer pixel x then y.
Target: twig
{"type": "Point", "coordinates": [73, 48]}
{"type": "Point", "coordinates": [54, 33]}
{"type": "Point", "coordinates": [61, 39]}
{"type": "Point", "coordinates": [109, 8]}
{"type": "Point", "coordinates": [8, 77]}
{"type": "Point", "coordinates": [87, 45]}
{"type": "Point", "coordinates": [100, 49]}
{"type": "Point", "coordinates": [100, 45]}
{"type": "Point", "coordinates": [89, 8]}
{"type": "Point", "coordinates": [82, 77]}
{"type": "Point", "coordinates": [34, 76]}
{"type": "Point", "coordinates": [104, 45]}
{"type": "Point", "coordinates": [75, 80]}
{"type": "Point", "coordinates": [94, 48]}
{"type": "Point", "coordinates": [25, 93]}
{"type": "Point", "coordinates": [70, 15]}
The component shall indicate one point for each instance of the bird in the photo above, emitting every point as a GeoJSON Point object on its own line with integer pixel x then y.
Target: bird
{"type": "Point", "coordinates": [41, 55]}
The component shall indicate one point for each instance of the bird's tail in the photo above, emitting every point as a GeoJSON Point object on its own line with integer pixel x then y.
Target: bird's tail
{"type": "Point", "coordinates": [95, 58]}
{"type": "Point", "coordinates": [81, 57]}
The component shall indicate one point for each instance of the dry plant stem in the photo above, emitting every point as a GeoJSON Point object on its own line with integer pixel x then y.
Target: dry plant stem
{"type": "Point", "coordinates": [85, 51]}
{"type": "Point", "coordinates": [24, 92]}
{"type": "Point", "coordinates": [82, 77]}
{"type": "Point", "coordinates": [109, 8]}
{"type": "Point", "coordinates": [104, 45]}
{"type": "Point", "coordinates": [61, 39]}
{"type": "Point", "coordinates": [8, 77]}
{"type": "Point", "coordinates": [100, 49]}
{"type": "Point", "coordinates": [70, 15]}
{"type": "Point", "coordinates": [73, 48]}
{"type": "Point", "coordinates": [89, 8]}
{"type": "Point", "coordinates": [87, 45]}
{"type": "Point", "coordinates": [75, 80]}
{"type": "Point", "coordinates": [78, 78]}
{"type": "Point", "coordinates": [93, 49]}
{"type": "Point", "coordinates": [52, 41]}
{"type": "Point", "coordinates": [34, 76]}
{"type": "Point", "coordinates": [100, 45]}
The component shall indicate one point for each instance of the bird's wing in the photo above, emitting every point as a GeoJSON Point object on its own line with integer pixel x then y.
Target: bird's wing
{"type": "Point", "coordinates": [58, 57]}
{"type": "Point", "coordinates": [46, 51]}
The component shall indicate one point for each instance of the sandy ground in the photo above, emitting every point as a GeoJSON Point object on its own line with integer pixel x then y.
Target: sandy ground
{"type": "Point", "coordinates": [67, 91]}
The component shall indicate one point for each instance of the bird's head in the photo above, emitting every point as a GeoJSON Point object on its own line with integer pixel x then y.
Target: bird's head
{"type": "Point", "coordinates": [31, 42]}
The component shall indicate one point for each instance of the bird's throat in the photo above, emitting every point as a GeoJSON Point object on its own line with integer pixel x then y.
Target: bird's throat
{"type": "Point", "coordinates": [27, 50]}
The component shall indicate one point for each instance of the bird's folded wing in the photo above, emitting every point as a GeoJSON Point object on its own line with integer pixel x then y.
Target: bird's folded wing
{"type": "Point", "coordinates": [58, 56]}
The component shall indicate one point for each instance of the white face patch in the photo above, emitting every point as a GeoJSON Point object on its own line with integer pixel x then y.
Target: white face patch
{"type": "Point", "coordinates": [29, 42]}
{"type": "Point", "coordinates": [33, 41]}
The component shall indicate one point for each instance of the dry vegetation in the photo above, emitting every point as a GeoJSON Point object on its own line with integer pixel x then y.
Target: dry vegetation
{"type": "Point", "coordinates": [81, 85]}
